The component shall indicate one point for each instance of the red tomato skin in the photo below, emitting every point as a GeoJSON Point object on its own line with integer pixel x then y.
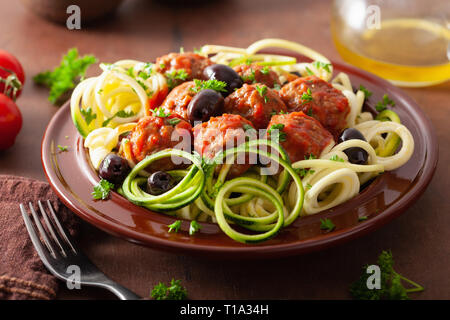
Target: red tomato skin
{"type": "Point", "coordinates": [8, 61]}
{"type": "Point", "coordinates": [10, 122]}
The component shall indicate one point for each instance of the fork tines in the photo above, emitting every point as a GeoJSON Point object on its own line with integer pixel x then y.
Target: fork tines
{"type": "Point", "coordinates": [57, 243]}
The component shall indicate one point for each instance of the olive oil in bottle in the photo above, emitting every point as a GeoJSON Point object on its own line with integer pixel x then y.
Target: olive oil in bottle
{"type": "Point", "coordinates": [408, 52]}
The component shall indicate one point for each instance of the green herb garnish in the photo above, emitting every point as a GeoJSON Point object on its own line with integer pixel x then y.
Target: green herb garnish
{"type": "Point", "coordinates": [362, 218]}
{"type": "Point", "coordinates": [322, 65]}
{"type": "Point", "coordinates": [281, 135]}
{"type": "Point", "coordinates": [63, 148]}
{"type": "Point", "coordinates": [64, 77]}
{"type": "Point", "coordinates": [308, 71]}
{"type": "Point", "coordinates": [120, 114]}
{"type": "Point", "coordinates": [194, 227]}
{"type": "Point", "coordinates": [175, 226]}
{"type": "Point", "coordinates": [250, 78]}
{"type": "Point", "coordinates": [367, 93]}
{"type": "Point", "coordinates": [337, 158]}
{"type": "Point", "coordinates": [160, 112]}
{"type": "Point", "coordinates": [391, 282]}
{"type": "Point", "coordinates": [382, 105]}
{"type": "Point", "coordinates": [307, 96]}
{"type": "Point", "coordinates": [102, 189]}
{"type": "Point", "coordinates": [265, 70]}
{"type": "Point", "coordinates": [174, 292]}
{"type": "Point", "coordinates": [212, 84]}
{"type": "Point", "coordinates": [173, 76]}
{"type": "Point", "coordinates": [88, 115]}
{"type": "Point", "coordinates": [327, 224]}
{"type": "Point", "coordinates": [263, 92]}
{"type": "Point", "coordinates": [174, 121]}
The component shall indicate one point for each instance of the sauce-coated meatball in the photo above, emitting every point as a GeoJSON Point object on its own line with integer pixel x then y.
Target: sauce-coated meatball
{"type": "Point", "coordinates": [256, 103]}
{"type": "Point", "coordinates": [322, 101]}
{"type": "Point", "coordinates": [221, 133]}
{"type": "Point", "coordinates": [192, 63]}
{"type": "Point", "coordinates": [153, 134]}
{"type": "Point", "coordinates": [255, 73]}
{"type": "Point", "coordinates": [303, 135]}
{"type": "Point", "coordinates": [178, 99]}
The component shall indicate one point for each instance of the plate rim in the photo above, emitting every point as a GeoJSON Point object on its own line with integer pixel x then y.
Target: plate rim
{"type": "Point", "coordinates": [273, 250]}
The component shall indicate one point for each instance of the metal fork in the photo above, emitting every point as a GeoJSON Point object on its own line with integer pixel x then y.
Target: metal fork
{"type": "Point", "coordinates": [59, 253]}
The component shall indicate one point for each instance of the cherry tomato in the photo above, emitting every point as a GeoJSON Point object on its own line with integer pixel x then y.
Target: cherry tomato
{"type": "Point", "coordinates": [10, 121]}
{"type": "Point", "coordinates": [10, 67]}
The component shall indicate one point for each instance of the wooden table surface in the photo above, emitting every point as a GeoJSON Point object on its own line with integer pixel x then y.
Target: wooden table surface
{"type": "Point", "coordinates": [143, 29]}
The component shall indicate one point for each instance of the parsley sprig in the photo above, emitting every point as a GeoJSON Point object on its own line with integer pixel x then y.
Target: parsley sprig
{"type": "Point", "coordinates": [327, 224]}
{"type": "Point", "coordinates": [278, 127]}
{"type": "Point", "coordinates": [262, 90]}
{"type": "Point", "coordinates": [212, 84]}
{"type": "Point", "coordinates": [160, 112]}
{"type": "Point", "coordinates": [174, 76]}
{"type": "Point", "coordinates": [64, 77]}
{"type": "Point", "coordinates": [119, 114]}
{"type": "Point", "coordinates": [391, 282]}
{"type": "Point", "coordinates": [322, 65]}
{"type": "Point", "coordinates": [175, 227]}
{"type": "Point", "coordinates": [367, 93]}
{"type": "Point", "coordinates": [194, 227]}
{"type": "Point", "coordinates": [382, 105]}
{"type": "Point", "coordinates": [173, 292]}
{"type": "Point", "coordinates": [307, 96]}
{"type": "Point", "coordinates": [102, 189]}
{"type": "Point", "coordinates": [337, 158]}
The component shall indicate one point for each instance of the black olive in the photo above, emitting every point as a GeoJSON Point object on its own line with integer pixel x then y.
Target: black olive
{"type": "Point", "coordinates": [356, 155]}
{"type": "Point", "coordinates": [160, 182]}
{"type": "Point", "coordinates": [205, 104]}
{"type": "Point", "coordinates": [226, 74]}
{"type": "Point", "coordinates": [114, 169]}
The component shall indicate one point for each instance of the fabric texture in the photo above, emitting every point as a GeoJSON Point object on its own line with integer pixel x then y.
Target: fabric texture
{"type": "Point", "coordinates": [22, 273]}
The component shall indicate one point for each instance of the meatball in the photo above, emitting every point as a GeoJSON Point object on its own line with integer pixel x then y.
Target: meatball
{"type": "Point", "coordinates": [153, 134]}
{"type": "Point", "coordinates": [302, 135]}
{"type": "Point", "coordinates": [221, 133]}
{"type": "Point", "coordinates": [178, 99]}
{"type": "Point", "coordinates": [192, 63]}
{"type": "Point", "coordinates": [255, 73]}
{"type": "Point", "coordinates": [256, 103]}
{"type": "Point", "coordinates": [322, 102]}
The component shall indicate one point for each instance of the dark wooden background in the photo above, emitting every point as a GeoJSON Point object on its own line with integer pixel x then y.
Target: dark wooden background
{"type": "Point", "coordinates": [144, 29]}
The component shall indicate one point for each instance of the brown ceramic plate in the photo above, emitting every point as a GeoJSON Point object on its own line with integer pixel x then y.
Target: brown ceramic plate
{"type": "Point", "coordinates": [72, 177]}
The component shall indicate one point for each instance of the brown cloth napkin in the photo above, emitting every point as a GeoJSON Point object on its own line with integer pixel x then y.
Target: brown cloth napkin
{"type": "Point", "coordinates": [22, 274]}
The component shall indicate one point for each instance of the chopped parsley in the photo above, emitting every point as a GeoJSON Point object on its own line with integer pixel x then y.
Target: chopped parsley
{"type": "Point", "coordinates": [160, 112]}
{"type": "Point", "coordinates": [276, 86]}
{"type": "Point", "coordinates": [382, 105]}
{"type": "Point", "coordinates": [250, 78]}
{"type": "Point", "coordinates": [327, 224]}
{"type": "Point", "coordinates": [322, 65]}
{"type": "Point", "coordinates": [263, 92]}
{"type": "Point", "coordinates": [194, 227]}
{"type": "Point", "coordinates": [390, 282]}
{"type": "Point", "coordinates": [63, 148]}
{"type": "Point", "coordinates": [88, 115]}
{"type": "Point", "coordinates": [337, 158]}
{"type": "Point", "coordinates": [212, 84]}
{"type": "Point", "coordinates": [120, 114]}
{"type": "Point", "coordinates": [64, 77]}
{"type": "Point", "coordinates": [307, 96]}
{"type": "Point", "coordinates": [367, 93]}
{"type": "Point", "coordinates": [308, 71]}
{"type": "Point", "coordinates": [308, 186]}
{"type": "Point", "coordinates": [173, 76]}
{"type": "Point", "coordinates": [102, 189]}
{"type": "Point", "coordinates": [173, 292]}
{"type": "Point", "coordinates": [363, 218]}
{"type": "Point", "coordinates": [309, 112]}
{"type": "Point", "coordinates": [281, 135]}
{"type": "Point", "coordinates": [174, 121]}
{"type": "Point", "coordinates": [265, 70]}
{"type": "Point", "coordinates": [302, 172]}
{"type": "Point", "coordinates": [175, 226]}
